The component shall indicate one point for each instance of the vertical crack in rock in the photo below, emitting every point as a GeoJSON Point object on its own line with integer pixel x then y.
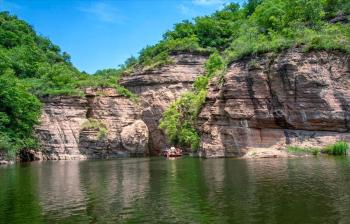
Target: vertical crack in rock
{"type": "Point", "coordinates": [275, 105]}
{"type": "Point", "coordinates": [90, 110]}
{"type": "Point", "coordinates": [339, 95]}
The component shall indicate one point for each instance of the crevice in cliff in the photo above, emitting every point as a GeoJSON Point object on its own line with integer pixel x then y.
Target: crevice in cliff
{"type": "Point", "coordinates": [340, 96]}
{"type": "Point", "coordinates": [274, 105]}
{"type": "Point", "coordinates": [90, 110]}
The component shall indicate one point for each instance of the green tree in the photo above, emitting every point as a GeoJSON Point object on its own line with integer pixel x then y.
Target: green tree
{"type": "Point", "coordinates": [19, 112]}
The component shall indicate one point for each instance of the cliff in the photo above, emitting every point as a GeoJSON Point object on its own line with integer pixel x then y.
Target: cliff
{"type": "Point", "coordinates": [271, 101]}
{"type": "Point", "coordinates": [157, 89]}
{"type": "Point", "coordinates": [64, 136]}
{"type": "Point", "coordinates": [261, 104]}
{"type": "Point", "coordinates": [132, 127]}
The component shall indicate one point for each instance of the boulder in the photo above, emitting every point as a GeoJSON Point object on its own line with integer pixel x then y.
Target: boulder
{"type": "Point", "coordinates": [135, 137]}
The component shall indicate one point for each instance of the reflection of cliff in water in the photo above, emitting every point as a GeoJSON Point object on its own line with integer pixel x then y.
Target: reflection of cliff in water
{"type": "Point", "coordinates": [91, 190]}
{"type": "Point", "coordinates": [187, 190]}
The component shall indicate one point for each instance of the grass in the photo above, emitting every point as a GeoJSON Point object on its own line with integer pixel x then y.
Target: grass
{"type": "Point", "coordinates": [338, 148]}
{"type": "Point", "coordinates": [96, 125]}
{"type": "Point", "coordinates": [307, 150]}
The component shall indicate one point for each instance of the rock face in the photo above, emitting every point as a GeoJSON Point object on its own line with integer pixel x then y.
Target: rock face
{"type": "Point", "coordinates": [63, 137]}
{"type": "Point", "coordinates": [261, 104]}
{"type": "Point", "coordinates": [135, 137]}
{"type": "Point", "coordinates": [270, 101]}
{"type": "Point", "coordinates": [157, 89]}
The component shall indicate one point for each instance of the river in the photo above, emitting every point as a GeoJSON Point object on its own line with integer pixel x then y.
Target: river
{"type": "Point", "coordinates": [186, 190]}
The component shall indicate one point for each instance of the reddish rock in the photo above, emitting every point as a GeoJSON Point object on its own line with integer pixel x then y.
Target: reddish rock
{"type": "Point", "coordinates": [271, 101]}
{"type": "Point", "coordinates": [63, 137]}
{"type": "Point", "coordinates": [159, 88]}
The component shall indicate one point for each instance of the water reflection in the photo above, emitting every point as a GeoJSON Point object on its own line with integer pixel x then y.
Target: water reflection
{"type": "Point", "coordinates": [177, 191]}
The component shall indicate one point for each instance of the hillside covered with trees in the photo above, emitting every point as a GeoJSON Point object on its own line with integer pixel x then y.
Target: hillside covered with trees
{"type": "Point", "coordinates": [31, 66]}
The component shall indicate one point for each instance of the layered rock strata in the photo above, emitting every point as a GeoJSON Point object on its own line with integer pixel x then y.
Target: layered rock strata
{"type": "Point", "coordinates": [271, 101]}
{"type": "Point", "coordinates": [157, 89]}
{"type": "Point", "coordinates": [63, 136]}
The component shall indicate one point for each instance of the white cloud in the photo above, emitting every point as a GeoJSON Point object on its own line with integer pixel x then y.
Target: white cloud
{"type": "Point", "coordinates": [209, 2]}
{"type": "Point", "coordinates": [185, 10]}
{"type": "Point", "coordinates": [103, 12]}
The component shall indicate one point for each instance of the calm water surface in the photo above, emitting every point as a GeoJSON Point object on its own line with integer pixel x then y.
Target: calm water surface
{"type": "Point", "coordinates": [187, 190]}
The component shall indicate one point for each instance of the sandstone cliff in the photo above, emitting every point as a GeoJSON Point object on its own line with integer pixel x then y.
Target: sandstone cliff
{"type": "Point", "coordinates": [132, 128]}
{"type": "Point", "coordinates": [263, 102]}
{"type": "Point", "coordinates": [157, 89]}
{"type": "Point", "coordinates": [271, 101]}
{"type": "Point", "coordinates": [63, 137]}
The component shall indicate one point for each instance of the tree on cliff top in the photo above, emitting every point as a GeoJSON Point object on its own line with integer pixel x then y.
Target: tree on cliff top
{"type": "Point", "coordinates": [257, 26]}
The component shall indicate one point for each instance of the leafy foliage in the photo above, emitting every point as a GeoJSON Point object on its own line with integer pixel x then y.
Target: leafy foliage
{"type": "Point", "coordinates": [31, 66]}
{"type": "Point", "coordinates": [19, 112]}
{"type": "Point", "coordinates": [179, 120]}
{"type": "Point", "coordinates": [279, 24]}
{"type": "Point", "coordinates": [257, 27]}
{"type": "Point", "coordinates": [34, 66]}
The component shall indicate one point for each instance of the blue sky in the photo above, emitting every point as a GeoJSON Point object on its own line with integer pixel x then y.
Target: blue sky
{"type": "Point", "coordinates": [103, 33]}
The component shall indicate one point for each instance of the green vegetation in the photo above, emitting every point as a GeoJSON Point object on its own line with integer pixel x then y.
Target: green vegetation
{"type": "Point", "coordinates": [235, 32]}
{"type": "Point", "coordinates": [31, 67]}
{"type": "Point", "coordinates": [338, 148]}
{"type": "Point", "coordinates": [257, 27]}
{"type": "Point", "coordinates": [96, 125]}
{"type": "Point", "coordinates": [19, 112]}
{"type": "Point", "coordinates": [179, 120]}
{"type": "Point", "coordinates": [306, 150]}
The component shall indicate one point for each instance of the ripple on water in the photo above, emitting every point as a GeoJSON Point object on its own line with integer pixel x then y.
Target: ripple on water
{"type": "Point", "coordinates": [188, 190]}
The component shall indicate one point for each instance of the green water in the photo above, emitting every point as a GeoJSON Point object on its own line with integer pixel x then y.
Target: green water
{"type": "Point", "coordinates": [187, 190]}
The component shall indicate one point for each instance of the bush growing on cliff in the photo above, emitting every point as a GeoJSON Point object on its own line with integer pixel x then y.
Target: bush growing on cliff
{"type": "Point", "coordinates": [96, 125]}
{"type": "Point", "coordinates": [179, 120]}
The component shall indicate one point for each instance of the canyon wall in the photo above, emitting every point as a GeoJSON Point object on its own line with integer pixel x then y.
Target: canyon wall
{"type": "Point", "coordinates": [157, 89]}
{"type": "Point", "coordinates": [63, 137]}
{"type": "Point", "coordinates": [271, 101]}
{"type": "Point", "coordinates": [132, 127]}
{"type": "Point", "coordinates": [265, 102]}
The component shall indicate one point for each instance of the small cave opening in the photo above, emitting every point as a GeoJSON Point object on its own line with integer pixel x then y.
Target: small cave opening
{"type": "Point", "coordinates": [27, 156]}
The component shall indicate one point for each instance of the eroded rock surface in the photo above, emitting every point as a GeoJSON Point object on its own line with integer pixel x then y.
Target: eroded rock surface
{"type": "Point", "coordinates": [271, 101]}
{"type": "Point", "coordinates": [135, 137]}
{"type": "Point", "coordinates": [157, 89]}
{"type": "Point", "coordinates": [61, 131]}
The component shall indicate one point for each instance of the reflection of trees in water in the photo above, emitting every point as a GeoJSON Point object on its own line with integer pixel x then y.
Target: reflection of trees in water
{"type": "Point", "coordinates": [18, 195]}
{"type": "Point", "coordinates": [60, 191]}
{"type": "Point", "coordinates": [113, 187]}
{"type": "Point", "coordinates": [296, 191]}
{"type": "Point", "coordinates": [86, 191]}
{"type": "Point", "coordinates": [180, 191]}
